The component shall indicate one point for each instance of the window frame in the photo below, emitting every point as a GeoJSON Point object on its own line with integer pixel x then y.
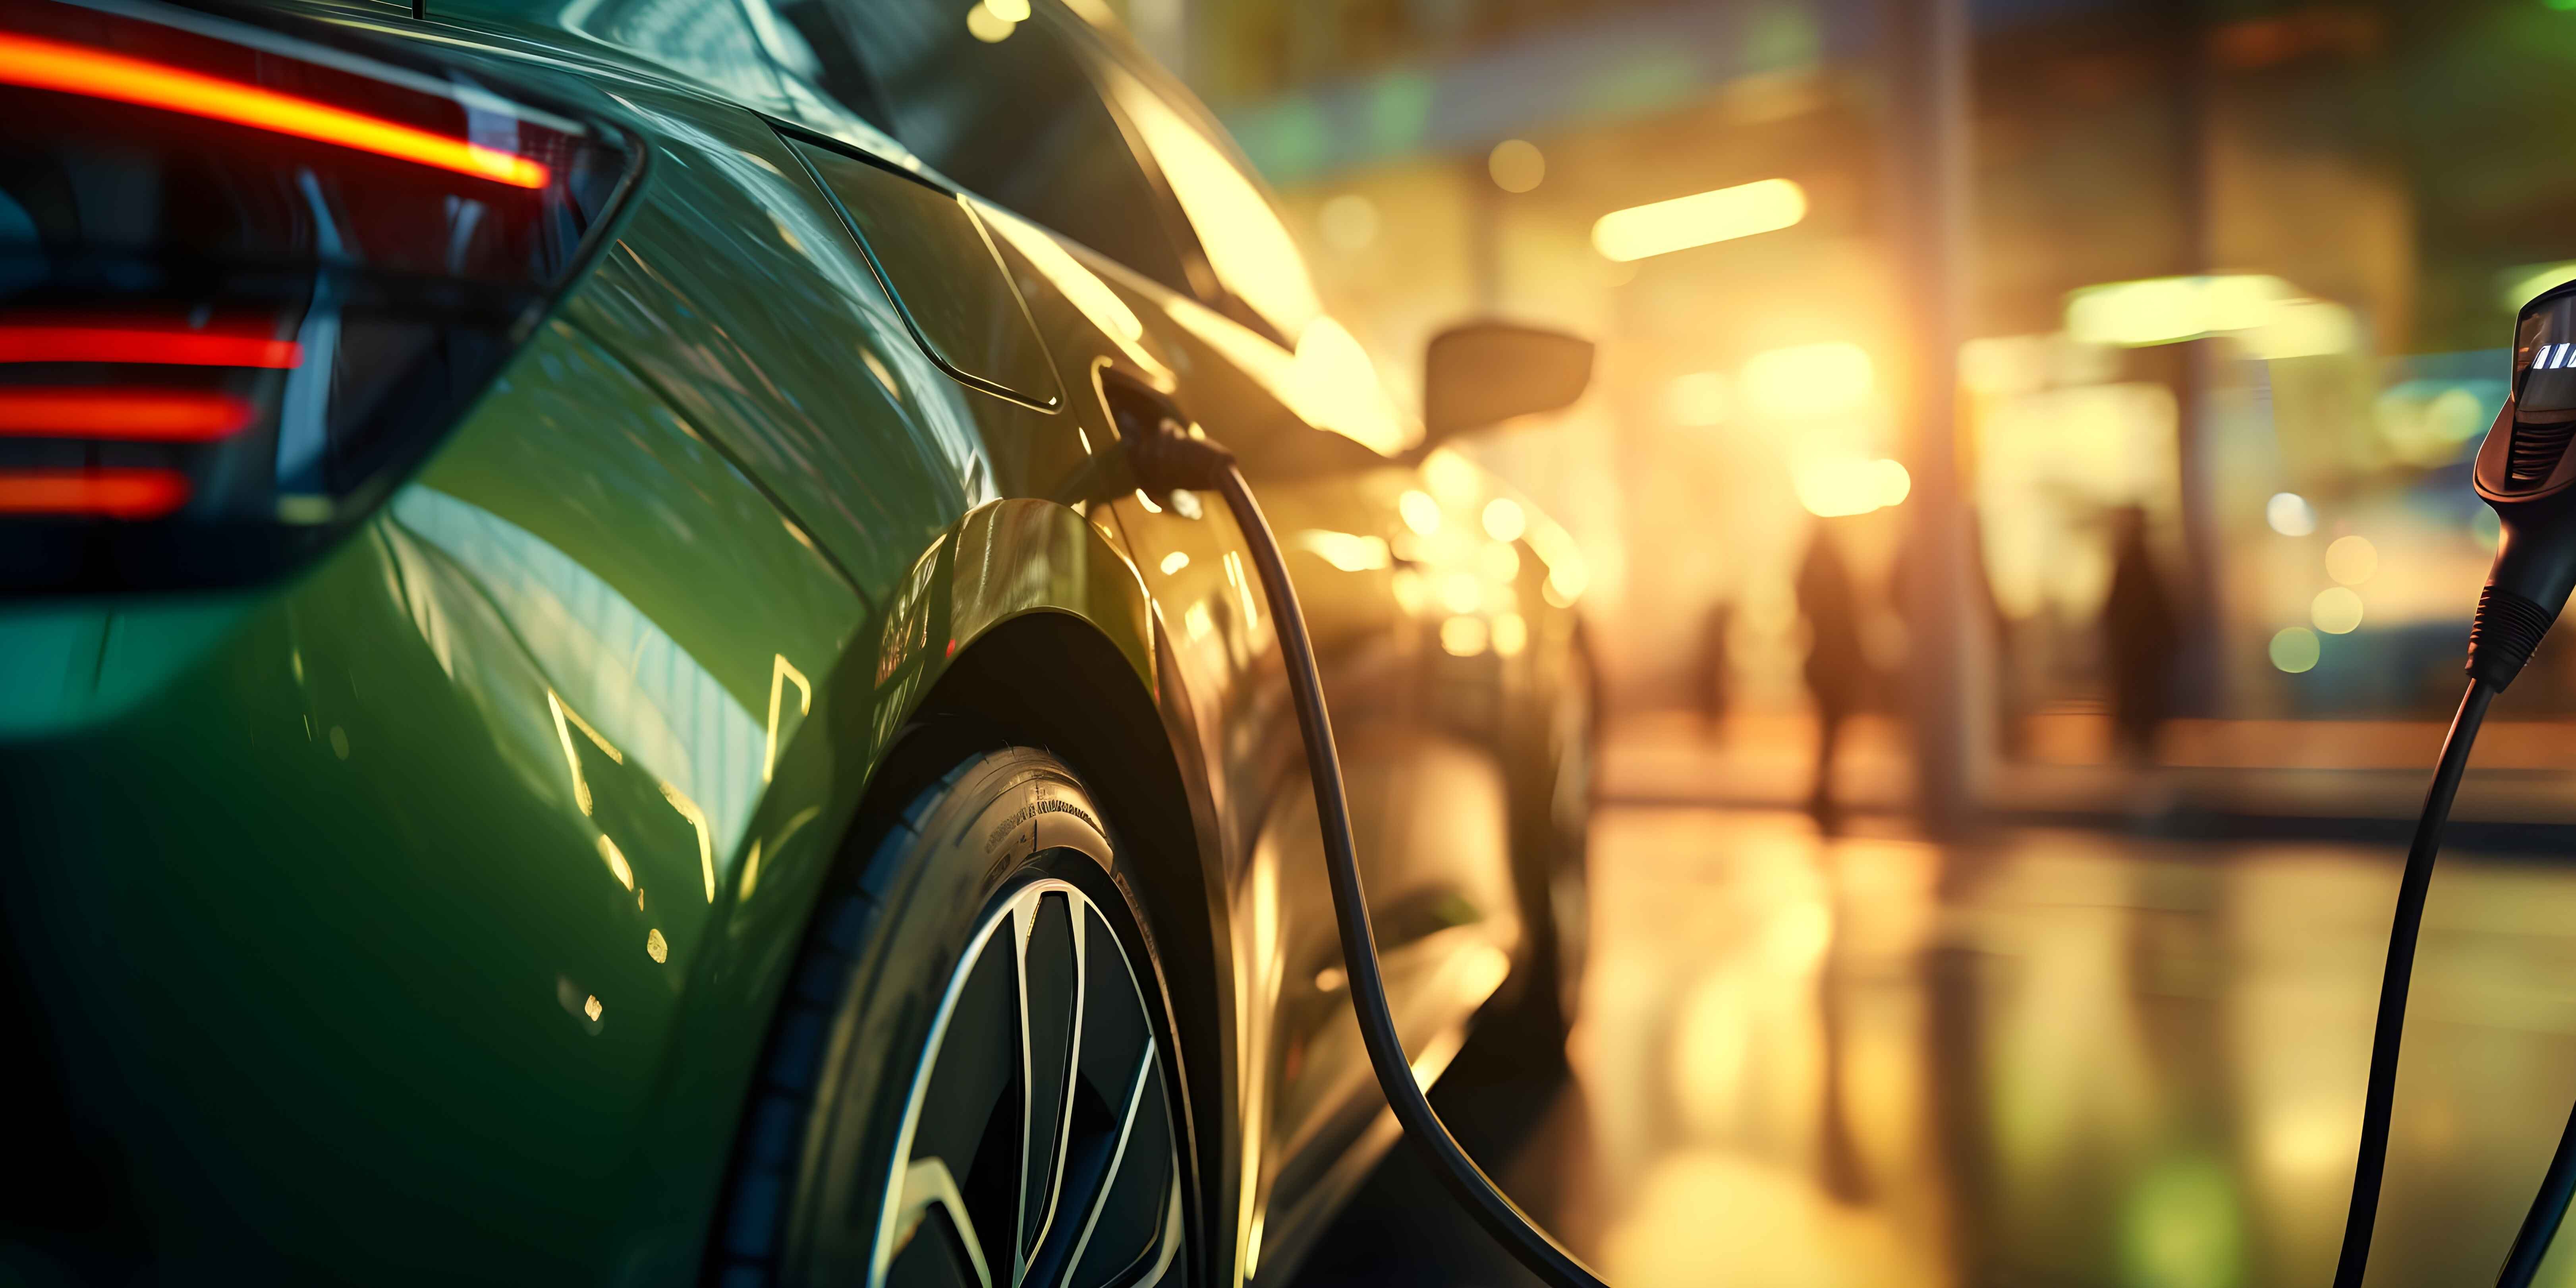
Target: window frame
{"type": "Point", "coordinates": [1096, 47]}
{"type": "Point", "coordinates": [1093, 53]}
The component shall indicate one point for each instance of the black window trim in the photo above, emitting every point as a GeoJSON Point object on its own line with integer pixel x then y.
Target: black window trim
{"type": "Point", "coordinates": [1091, 51]}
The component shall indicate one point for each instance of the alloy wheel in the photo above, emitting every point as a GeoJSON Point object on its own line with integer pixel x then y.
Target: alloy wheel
{"type": "Point", "coordinates": [1038, 1147]}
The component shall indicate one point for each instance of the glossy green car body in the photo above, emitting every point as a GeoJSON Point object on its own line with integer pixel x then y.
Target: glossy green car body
{"type": "Point", "coordinates": [419, 916]}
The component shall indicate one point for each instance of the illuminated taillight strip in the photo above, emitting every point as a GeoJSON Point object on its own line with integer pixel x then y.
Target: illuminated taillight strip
{"type": "Point", "coordinates": [39, 342]}
{"type": "Point", "coordinates": [107, 493]}
{"type": "Point", "coordinates": [122, 415]}
{"type": "Point", "coordinates": [73, 69]}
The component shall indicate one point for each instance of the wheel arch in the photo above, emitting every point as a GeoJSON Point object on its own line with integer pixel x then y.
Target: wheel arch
{"type": "Point", "coordinates": [1032, 628]}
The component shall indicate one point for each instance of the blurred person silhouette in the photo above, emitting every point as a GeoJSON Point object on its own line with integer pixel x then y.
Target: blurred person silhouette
{"type": "Point", "coordinates": [1716, 669]}
{"type": "Point", "coordinates": [1838, 669]}
{"type": "Point", "coordinates": [2141, 631]}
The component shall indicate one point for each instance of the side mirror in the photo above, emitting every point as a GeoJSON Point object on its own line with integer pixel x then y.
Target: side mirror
{"type": "Point", "coordinates": [1483, 373]}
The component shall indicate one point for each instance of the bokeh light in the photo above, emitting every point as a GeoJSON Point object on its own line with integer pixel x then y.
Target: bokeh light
{"type": "Point", "coordinates": [2352, 560]}
{"type": "Point", "coordinates": [2169, 309]}
{"type": "Point", "coordinates": [1464, 636]}
{"type": "Point", "coordinates": [1349, 223]}
{"type": "Point", "coordinates": [1832, 487]}
{"type": "Point", "coordinates": [2295, 649]}
{"type": "Point", "coordinates": [1419, 511]}
{"type": "Point", "coordinates": [986, 22]}
{"type": "Point", "coordinates": [2336, 610]}
{"type": "Point", "coordinates": [1701, 219]}
{"type": "Point", "coordinates": [2289, 514]}
{"type": "Point", "coordinates": [1516, 165]}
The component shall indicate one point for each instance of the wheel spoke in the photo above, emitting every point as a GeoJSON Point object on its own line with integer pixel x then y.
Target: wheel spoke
{"type": "Point", "coordinates": [1169, 1245]}
{"type": "Point", "coordinates": [1126, 1220]}
{"type": "Point", "coordinates": [1114, 1033]}
{"type": "Point", "coordinates": [1051, 1002]}
{"type": "Point", "coordinates": [1041, 1145]}
{"type": "Point", "coordinates": [930, 1192]}
{"type": "Point", "coordinates": [970, 1116]}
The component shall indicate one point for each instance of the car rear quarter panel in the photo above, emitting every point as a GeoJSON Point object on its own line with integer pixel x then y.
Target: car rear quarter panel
{"type": "Point", "coordinates": [377, 913]}
{"type": "Point", "coordinates": [447, 887]}
{"type": "Point", "coordinates": [419, 919]}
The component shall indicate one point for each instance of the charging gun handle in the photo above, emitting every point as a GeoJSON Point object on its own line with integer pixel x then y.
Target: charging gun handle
{"type": "Point", "coordinates": [2523, 471]}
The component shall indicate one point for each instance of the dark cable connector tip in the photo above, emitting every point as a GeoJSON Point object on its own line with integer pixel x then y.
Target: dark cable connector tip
{"type": "Point", "coordinates": [1169, 458]}
{"type": "Point", "coordinates": [2503, 634]}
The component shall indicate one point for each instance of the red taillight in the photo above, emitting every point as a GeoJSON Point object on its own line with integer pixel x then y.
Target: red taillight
{"type": "Point", "coordinates": [174, 344]}
{"type": "Point", "coordinates": [108, 493]}
{"type": "Point", "coordinates": [246, 281]}
{"type": "Point", "coordinates": [121, 415]}
{"type": "Point", "coordinates": [71, 69]}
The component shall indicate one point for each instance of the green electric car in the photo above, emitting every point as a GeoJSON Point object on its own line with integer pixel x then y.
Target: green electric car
{"type": "Point", "coordinates": [586, 696]}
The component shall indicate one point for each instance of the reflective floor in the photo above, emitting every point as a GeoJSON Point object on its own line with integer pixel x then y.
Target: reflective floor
{"type": "Point", "coordinates": [2056, 1058]}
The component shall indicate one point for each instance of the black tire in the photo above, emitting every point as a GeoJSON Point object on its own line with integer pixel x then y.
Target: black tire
{"type": "Point", "coordinates": [884, 1144]}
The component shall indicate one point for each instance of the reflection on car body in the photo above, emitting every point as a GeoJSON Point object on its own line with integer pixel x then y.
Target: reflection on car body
{"type": "Point", "coordinates": [415, 898]}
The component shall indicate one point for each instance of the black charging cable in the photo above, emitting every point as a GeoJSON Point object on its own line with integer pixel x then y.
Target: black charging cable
{"type": "Point", "coordinates": [2523, 473]}
{"type": "Point", "coordinates": [1169, 458]}
{"type": "Point", "coordinates": [2535, 568]}
{"type": "Point", "coordinates": [2384, 1038]}
{"type": "Point", "coordinates": [2548, 1208]}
